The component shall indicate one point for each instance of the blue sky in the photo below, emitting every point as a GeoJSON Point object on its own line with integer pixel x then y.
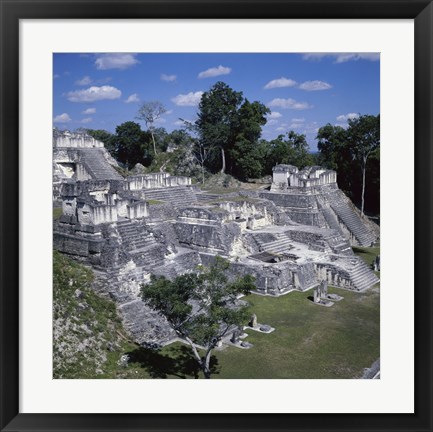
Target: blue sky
{"type": "Point", "coordinates": [304, 91]}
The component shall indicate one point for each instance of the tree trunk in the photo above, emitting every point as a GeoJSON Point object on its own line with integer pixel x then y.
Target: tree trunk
{"type": "Point", "coordinates": [363, 185]}
{"type": "Point", "coordinates": [153, 140]}
{"type": "Point", "coordinates": [223, 157]}
{"type": "Point", "coordinates": [202, 173]}
{"type": "Point", "coordinates": [206, 365]}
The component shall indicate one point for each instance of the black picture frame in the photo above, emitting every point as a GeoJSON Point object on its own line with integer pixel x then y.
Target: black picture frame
{"type": "Point", "coordinates": [12, 11]}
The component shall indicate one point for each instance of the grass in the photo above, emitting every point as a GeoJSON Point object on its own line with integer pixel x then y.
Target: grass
{"type": "Point", "coordinates": [57, 212]}
{"type": "Point", "coordinates": [309, 341]}
{"type": "Point", "coordinates": [154, 202]}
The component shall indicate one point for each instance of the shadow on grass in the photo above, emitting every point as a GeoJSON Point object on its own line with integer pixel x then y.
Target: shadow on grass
{"type": "Point", "coordinates": [361, 251]}
{"type": "Point", "coordinates": [180, 363]}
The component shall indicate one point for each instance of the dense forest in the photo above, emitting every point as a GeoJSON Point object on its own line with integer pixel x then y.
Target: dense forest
{"type": "Point", "coordinates": [226, 137]}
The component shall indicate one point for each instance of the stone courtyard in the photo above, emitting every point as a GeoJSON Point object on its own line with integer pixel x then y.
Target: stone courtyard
{"type": "Point", "coordinates": [294, 237]}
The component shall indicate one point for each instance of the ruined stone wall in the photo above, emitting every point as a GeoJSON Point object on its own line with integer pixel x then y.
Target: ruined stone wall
{"type": "Point", "coordinates": [137, 210]}
{"type": "Point", "coordinates": [155, 181]}
{"type": "Point", "coordinates": [146, 181]}
{"type": "Point", "coordinates": [162, 211]}
{"type": "Point", "coordinates": [75, 140]}
{"type": "Point", "coordinates": [216, 238]}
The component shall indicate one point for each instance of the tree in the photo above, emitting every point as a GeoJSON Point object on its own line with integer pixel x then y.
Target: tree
{"type": "Point", "coordinates": [150, 112]}
{"type": "Point", "coordinates": [229, 128]}
{"type": "Point", "coordinates": [291, 149]}
{"type": "Point", "coordinates": [342, 149]}
{"type": "Point", "coordinates": [245, 156]}
{"type": "Point", "coordinates": [217, 117]}
{"type": "Point", "coordinates": [364, 137]}
{"type": "Point", "coordinates": [130, 144]}
{"type": "Point", "coordinates": [199, 150]}
{"type": "Point", "coordinates": [200, 307]}
{"type": "Point", "coordinates": [335, 153]}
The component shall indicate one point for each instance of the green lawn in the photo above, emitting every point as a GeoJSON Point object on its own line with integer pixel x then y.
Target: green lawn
{"type": "Point", "coordinates": [310, 341]}
{"type": "Point", "coordinates": [57, 212]}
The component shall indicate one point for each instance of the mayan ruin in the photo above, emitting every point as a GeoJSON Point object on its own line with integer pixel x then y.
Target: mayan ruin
{"type": "Point", "coordinates": [294, 237]}
{"type": "Point", "coordinates": [216, 220]}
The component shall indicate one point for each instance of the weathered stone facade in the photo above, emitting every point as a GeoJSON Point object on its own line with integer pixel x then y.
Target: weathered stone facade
{"type": "Point", "coordinates": [128, 229]}
{"type": "Point", "coordinates": [312, 197]}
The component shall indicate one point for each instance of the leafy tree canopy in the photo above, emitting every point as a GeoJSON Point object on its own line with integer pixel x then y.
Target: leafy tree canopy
{"type": "Point", "coordinates": [201, 307]}
{"type": "Point", "coordinates": [131, 144]}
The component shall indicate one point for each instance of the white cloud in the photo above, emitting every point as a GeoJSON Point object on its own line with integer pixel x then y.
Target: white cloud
{"type": "Point", "coordinates": [115, 61]}
{"type": "Point", "coordinates": [345, 117]}
{"type": "Point", "coordinates": [274, 115]}
{"type": "Point", "coordinates": [280, 129]}
{"type": "Point", "coordinates": [298, 120]}
{"type": "Point", "coordinates": [280, 82]}
{"type": "Point", "coordinates": [342, 57]}
{"type": "Point", "coordinates": [89, 111]}
{"type": "Point", "coordinates": [289, 104]}
{"type": "Point", "coordinates": [87, 120]}
{"type": "Point", "coordinates": [168, 112]}
{"type": "Point", "coordinates": [296, 125]}
{"type": "Point", "coordinates": [94, 93]}
{"type": "Point", "coordinates": [345, 57]}
{"type": "Point", "coordinates": [190, 99]}
{"type": "Point", "coordinates": [55, 76]}
{"type": "Point", "coordinates": [133, 98]}
{"type": "Point", "coordinates": [215, 71]}
{"type": "Point", "coordinates": [84, 81]}
{"type": "Point", "coordinates": [315, 85]}
{"type": "Point", "coordinates": [169, 78]}
{"type": "Point", "coordinates": [272, 122]}
{"type": "Point", "coordinates": [62, 118]}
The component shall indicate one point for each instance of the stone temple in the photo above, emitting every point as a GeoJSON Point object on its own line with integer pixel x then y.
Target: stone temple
{"type": "Point", "coordinates": [292, 237]}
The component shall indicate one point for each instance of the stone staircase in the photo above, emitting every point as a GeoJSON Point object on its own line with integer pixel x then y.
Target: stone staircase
{"type": "Point", "coordinates": [144, 324]}
{"type": "Point", "coordinates": [330, 219]}
{"type": "Point", "coordinates": [132, 238]}
{"type": "Point", "coordinates": [179, 196]}
{"type": "Point", "coordinates": [204, 196]}
{"type": "Point", "coordinates": [97, 166]}
{"type": "Point", "coordinates": [353, 222]}
{"type": "Point", "coordinates": [282, 244]}
{"type": "Point", "coordinates": [362, 276]}
{"type": "Point", "coordinates": [141, 245]}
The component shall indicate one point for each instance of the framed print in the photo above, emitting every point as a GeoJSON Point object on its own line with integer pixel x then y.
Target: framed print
{"type": "Point", "coordinates": [294, 76]}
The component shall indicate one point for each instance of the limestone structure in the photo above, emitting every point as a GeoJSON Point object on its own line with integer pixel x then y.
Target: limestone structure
{"type": "Point", "coordinates": [312, 197]}
{"type": "Point", "coordinates": [79, 156]}
{"type": "Point", "coordinates": [130, 228]}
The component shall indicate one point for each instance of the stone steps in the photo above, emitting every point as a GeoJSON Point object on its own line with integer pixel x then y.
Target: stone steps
{"type": "Point", "coordinates": [177, 195]}
{"type": "Point", "coordinates": [132, 238]}
{"type": "Point", "coordinates": [97, 166]}
{"type": "Point", "coordinates": [277, 246]}
{"type": "Point", "coordinates": [362, 276]}
{"type": "Point", "coordinates": [148, 257]}
{"type": "Point", "coordinates": [353, 222]}
{"type": "Point", "coordinates": [331, 220]}
{"type": "Point", "coordinates": [208, 196]}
